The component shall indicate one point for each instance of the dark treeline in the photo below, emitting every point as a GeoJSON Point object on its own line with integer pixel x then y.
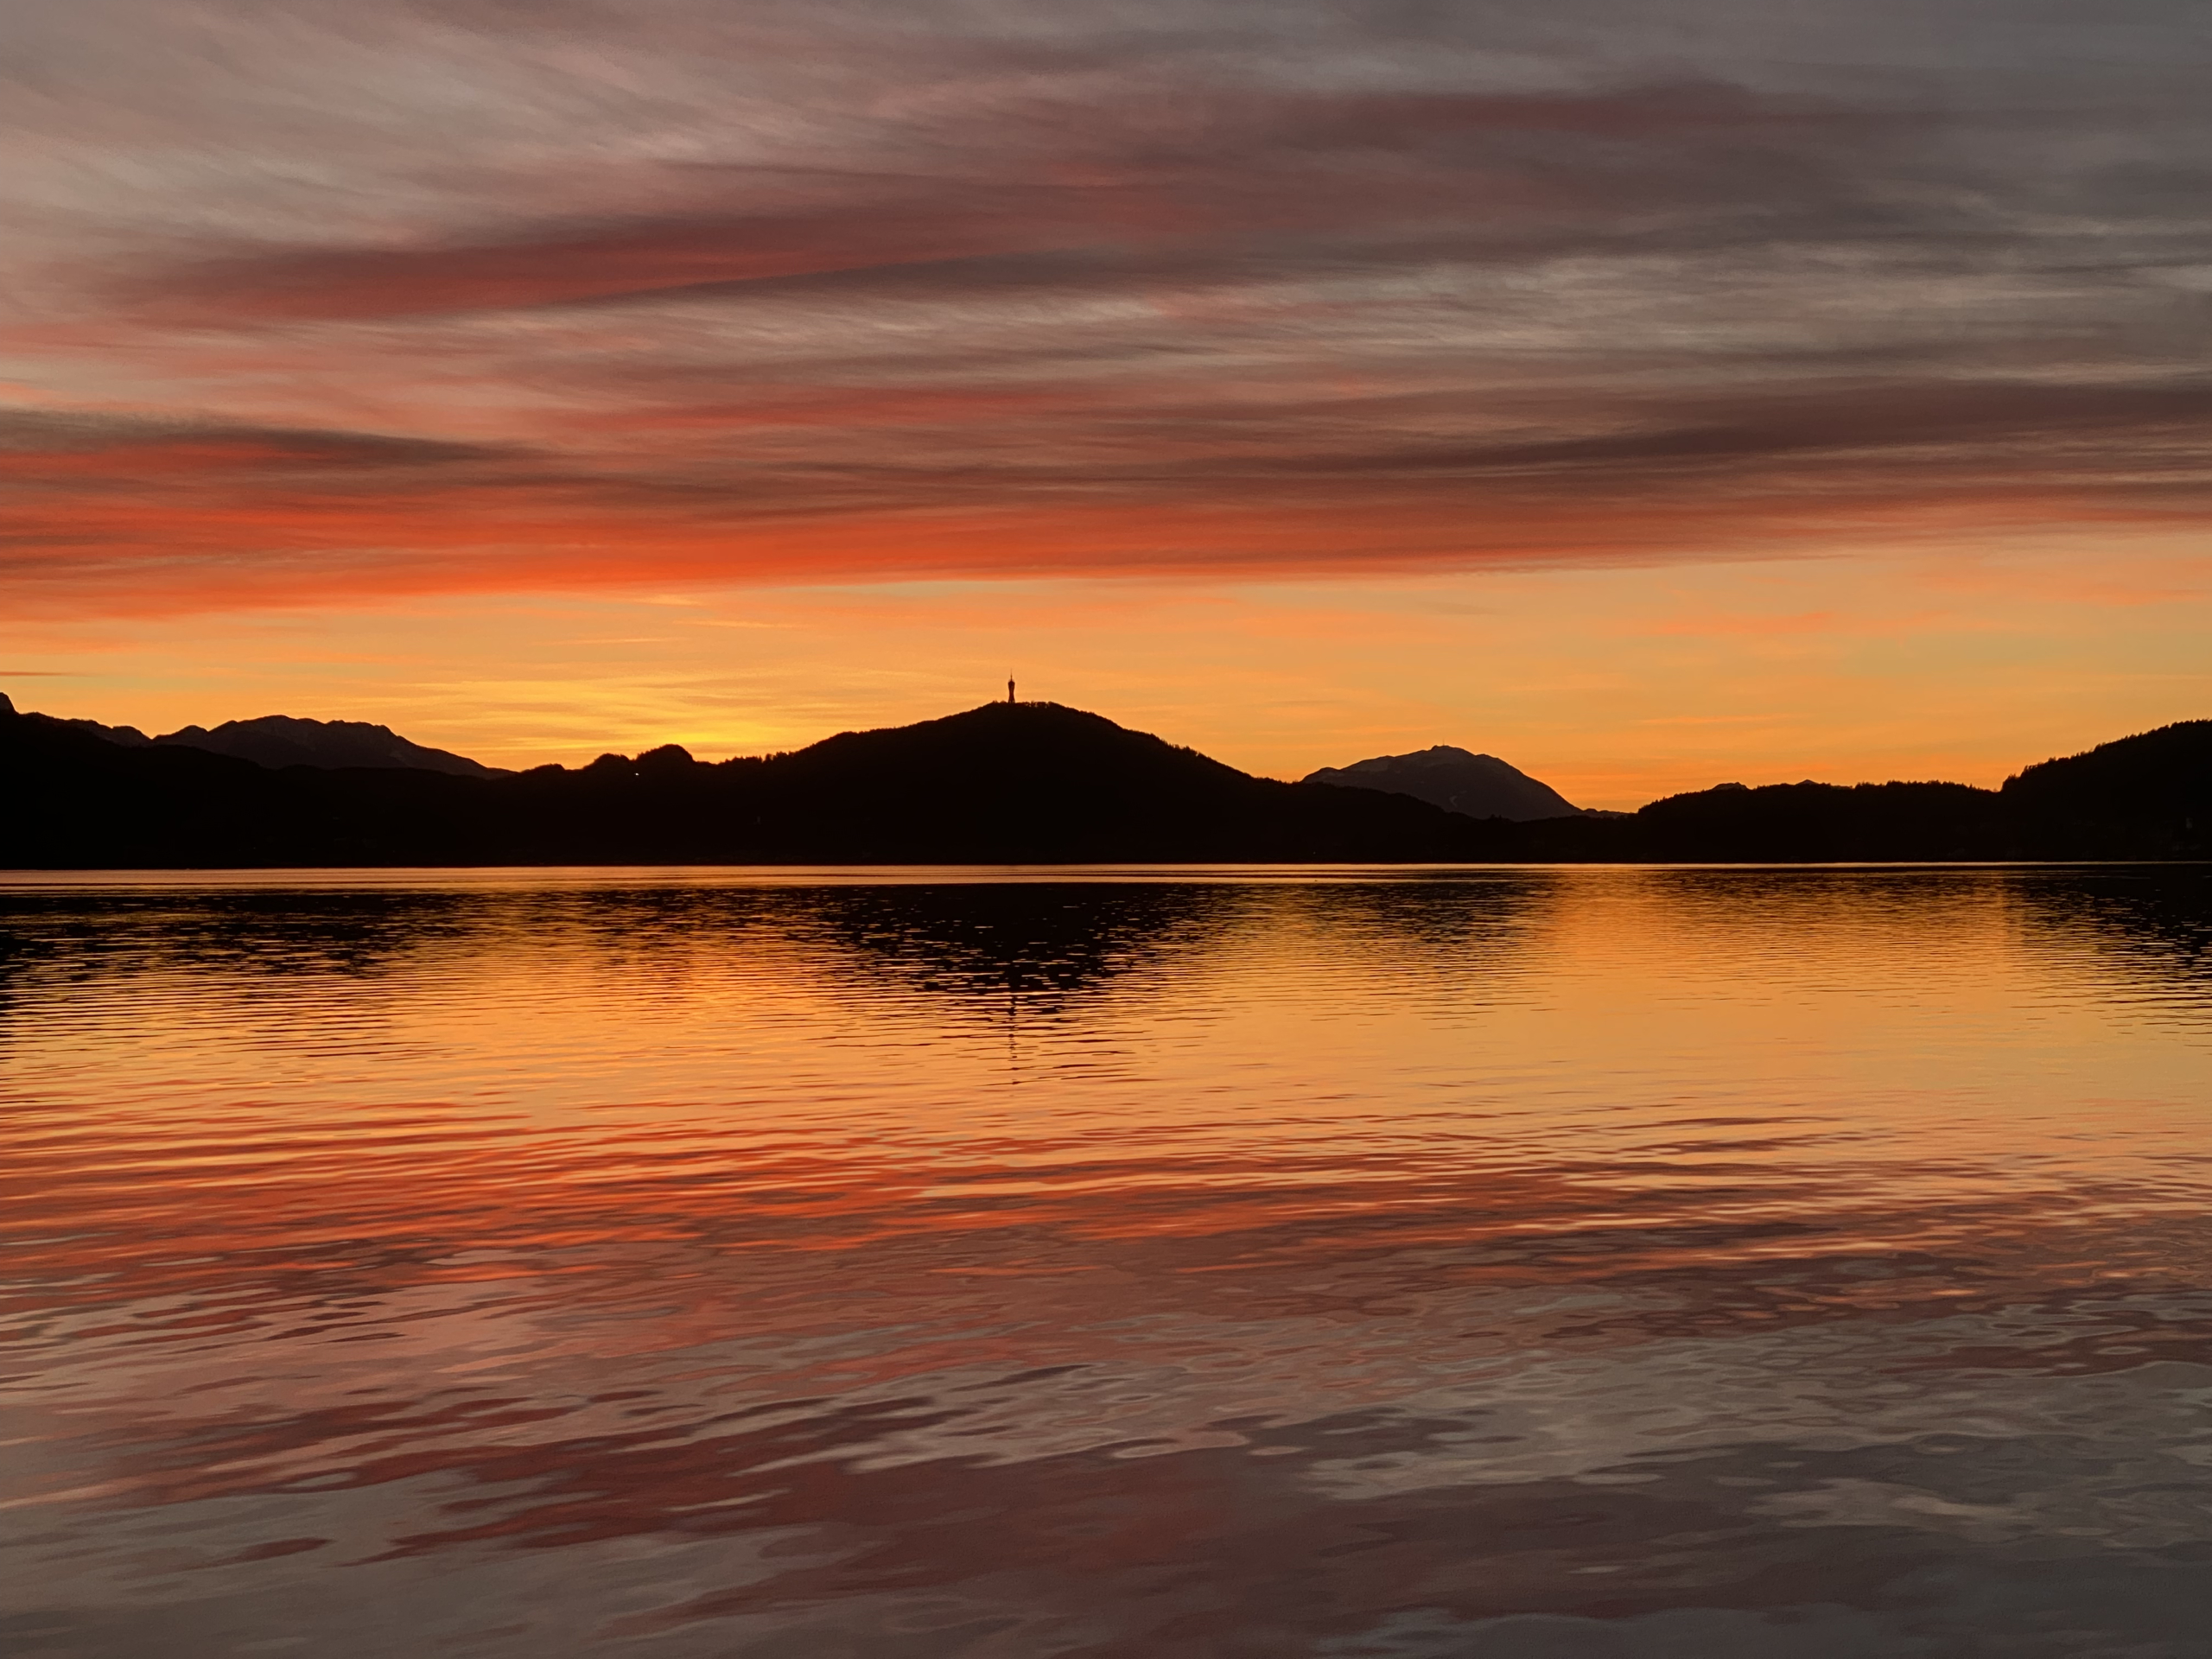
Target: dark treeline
{"type": "Point", "coordinates": [1028, 783]}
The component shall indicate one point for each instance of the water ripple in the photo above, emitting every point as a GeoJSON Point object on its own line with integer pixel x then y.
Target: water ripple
{"type": "Point", "coordinates": [1525, 1263]}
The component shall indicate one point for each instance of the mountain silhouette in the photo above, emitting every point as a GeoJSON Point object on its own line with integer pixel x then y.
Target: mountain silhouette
{"type": "Point", "coordinates": [1475, 785]}
{"type": "Point", "coordinates": [2146, 796]}
{"type": "Point", "coordinates": [2138, 797]}
{"type": "Point", "coordinates": [1005, 783]}
{"type": "Point", "coordinates": [1017, 783]}
{"type": "Point", "coordinates": [286, 740]}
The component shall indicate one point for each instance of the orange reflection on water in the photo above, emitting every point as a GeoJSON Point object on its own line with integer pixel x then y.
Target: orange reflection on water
{"type": "Point", "coordinates": [1090, 1255]}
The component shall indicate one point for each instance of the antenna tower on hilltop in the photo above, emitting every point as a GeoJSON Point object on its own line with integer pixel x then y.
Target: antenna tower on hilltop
{"type": "Point", "coordinates": [1009, 687]}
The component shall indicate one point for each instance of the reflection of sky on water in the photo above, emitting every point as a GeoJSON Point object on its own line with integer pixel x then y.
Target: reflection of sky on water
{"type": "Point", "coordinates": [1525, 1263]}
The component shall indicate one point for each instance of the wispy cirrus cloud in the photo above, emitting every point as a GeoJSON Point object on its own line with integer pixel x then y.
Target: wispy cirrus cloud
{"type": "Point", "coordinates": [390, 297]}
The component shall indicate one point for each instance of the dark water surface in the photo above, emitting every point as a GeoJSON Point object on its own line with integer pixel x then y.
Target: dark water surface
{"type": "Point", "coordinates": [1593, 1262]}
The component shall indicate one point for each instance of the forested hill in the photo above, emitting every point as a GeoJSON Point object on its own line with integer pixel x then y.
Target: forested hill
{"type": "Point", "coordinates": [1016, 783]}
{"type": "Point", "coordinates": [1006, 782]}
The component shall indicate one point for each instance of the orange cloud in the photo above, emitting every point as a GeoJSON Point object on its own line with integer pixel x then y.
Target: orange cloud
{"type": "Point", "coordinates": [852, 297]}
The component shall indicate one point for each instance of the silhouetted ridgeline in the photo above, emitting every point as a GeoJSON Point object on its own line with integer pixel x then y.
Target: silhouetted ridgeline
{"type": "Point", "coordinates": [1027, 783]}
{"type": "Point", "coordinates": [1004, 783]}
{"type": "Point", "coordinates": [281, 740]}
{"type": "Point", "coordinates": [1476, 785]}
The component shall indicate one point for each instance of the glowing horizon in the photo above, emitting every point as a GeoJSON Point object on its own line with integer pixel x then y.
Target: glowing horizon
{"type": "Point", "coordinates": [1650, 401]}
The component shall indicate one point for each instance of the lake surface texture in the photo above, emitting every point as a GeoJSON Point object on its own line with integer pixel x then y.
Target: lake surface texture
{"type": "Point", "coordinates": [1492, 1263]}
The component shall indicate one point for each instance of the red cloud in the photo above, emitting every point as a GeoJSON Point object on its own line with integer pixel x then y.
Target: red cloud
{"type": "Point", "coordinates": [958, 304]}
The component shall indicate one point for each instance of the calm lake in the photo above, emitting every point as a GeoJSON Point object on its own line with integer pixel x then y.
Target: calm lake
{"type": "Point", "coordinates": [892, 1265]}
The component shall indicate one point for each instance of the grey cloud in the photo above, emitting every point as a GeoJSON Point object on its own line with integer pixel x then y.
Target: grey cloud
{"type": "Point", "coordinates": [31, 433]}
{"type": "Point", "coordinates": [668, 252]}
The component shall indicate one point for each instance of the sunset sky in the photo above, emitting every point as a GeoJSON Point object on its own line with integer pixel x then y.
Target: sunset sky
{"type": "Point", "coordinates": [1650, 395]}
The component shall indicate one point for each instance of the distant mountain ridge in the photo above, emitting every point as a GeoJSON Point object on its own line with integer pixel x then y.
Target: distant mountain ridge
{"type": "Point", "coordinates": [1022, 783]}
{"type": "Point", "coordinates": [1005, 782]}
{"type": "Point", "coordinates": [1474, 786]}
{"type": "Point", "coordinates": [278, 741]}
